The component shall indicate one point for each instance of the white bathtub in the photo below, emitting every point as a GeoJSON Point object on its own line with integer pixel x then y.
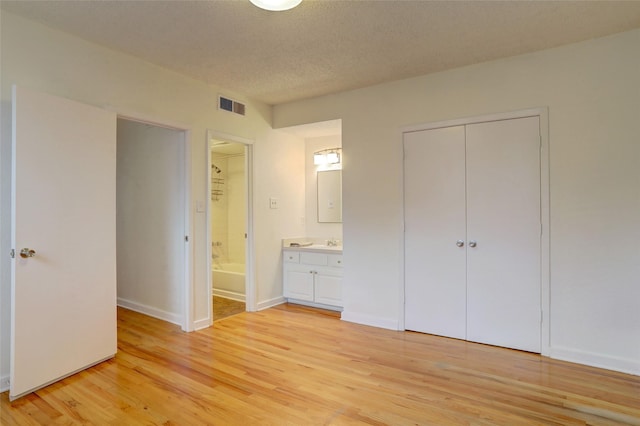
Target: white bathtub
{"type": "Point", "coordinates": [228, 280]}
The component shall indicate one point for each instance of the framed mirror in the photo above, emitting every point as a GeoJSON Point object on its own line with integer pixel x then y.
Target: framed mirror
{"type": "Point", "coordinates": [329, 196]}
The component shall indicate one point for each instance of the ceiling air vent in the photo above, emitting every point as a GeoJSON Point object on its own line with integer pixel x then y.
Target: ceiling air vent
{"type": "Point", "coordinates": [231, 105]}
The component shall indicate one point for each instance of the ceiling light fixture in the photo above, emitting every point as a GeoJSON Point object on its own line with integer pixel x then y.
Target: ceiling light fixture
{"type": "Point", "coordinates": [276, 5]}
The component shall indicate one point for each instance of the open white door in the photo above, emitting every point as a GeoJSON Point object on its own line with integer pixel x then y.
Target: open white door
{"type": "Point", "coordinates": [63, 291]}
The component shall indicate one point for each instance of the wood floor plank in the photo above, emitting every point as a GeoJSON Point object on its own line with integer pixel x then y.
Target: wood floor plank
{"type": "Point", "coordinates": [294, 365]}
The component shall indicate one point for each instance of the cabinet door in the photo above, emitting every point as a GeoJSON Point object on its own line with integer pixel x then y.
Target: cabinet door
{"type": "Point", "coordinates": [328, 288]}
{"type": "Point", "coordinates": [434, 208]}
{"type": "Point", "coordinates": [298, 283]}
{"type": "Point", "coordinates": [503, 217]}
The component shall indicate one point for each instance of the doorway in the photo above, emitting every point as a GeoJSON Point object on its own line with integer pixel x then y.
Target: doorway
{"type": "Point", "coordinates": [228, 225]}
{"type": "Point", "coordinates": [151, 220]}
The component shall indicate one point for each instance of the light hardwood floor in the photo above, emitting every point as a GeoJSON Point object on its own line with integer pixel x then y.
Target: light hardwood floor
{"type": "Point", "coordinates": [298, 366]}
{"type": "Point", "coordinates": [223, 307]}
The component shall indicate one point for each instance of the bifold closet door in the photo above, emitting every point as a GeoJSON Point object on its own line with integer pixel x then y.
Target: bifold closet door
{"type": "Point", "coordinates": [434, 200]}
{"type": "Point", "coordinates": [503, 218]}
{"type": "Point", "coordinates": [472, 232]}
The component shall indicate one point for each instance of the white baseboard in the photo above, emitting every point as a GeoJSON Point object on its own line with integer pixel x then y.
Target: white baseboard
{"type": "Point", "coordinates": [200, 324]}
{"type": "Point", "coordinates": [374, 321]}
{"type": "Point", "coordinates": [315, 305]}
{"type": "Point", "coordinates": [592, 359]}
{"type": "Point", "coordinates": [4, 383]}
{"type": "Point", "coordinates": [270, 303]}
{"type": "Point", "coordinates": [151, 311]}
{"type": "Point", "coordinates": [229, 295]}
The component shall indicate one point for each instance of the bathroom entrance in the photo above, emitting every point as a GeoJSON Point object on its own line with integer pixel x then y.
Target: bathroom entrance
{"type": "Point", "coordinates": [228, 230]}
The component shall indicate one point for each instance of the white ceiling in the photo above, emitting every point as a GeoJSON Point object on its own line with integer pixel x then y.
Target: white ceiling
{"type": "Point", "coordinates": [326, 46]}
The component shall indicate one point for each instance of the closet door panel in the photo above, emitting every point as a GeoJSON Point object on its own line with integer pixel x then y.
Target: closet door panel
{"type": "Point", "coordinates": [503, 217]}
{"type": "Point", "coordinates": [434, 205]}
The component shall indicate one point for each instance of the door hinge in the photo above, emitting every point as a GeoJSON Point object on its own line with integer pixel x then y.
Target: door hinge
{"type": "Point", "coordinates": [186, 238]}
{"type": "Point", "coordinates": [12, 253]}
{"type": "Point", "coordinates": [541, 317]}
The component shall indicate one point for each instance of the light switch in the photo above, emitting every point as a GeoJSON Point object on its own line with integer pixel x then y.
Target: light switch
{"type": "Point", "coordinates": [199, 206]}
{"type": "Point", "coordinates": [273, 203]}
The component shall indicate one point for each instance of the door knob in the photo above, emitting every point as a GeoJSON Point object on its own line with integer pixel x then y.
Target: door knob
{"type": "Point", "coordinates": [26, 253]}
{"type": "Point", "coordinates": [460, 243]}
{"type": "Point", "coordinates": [472, 243]}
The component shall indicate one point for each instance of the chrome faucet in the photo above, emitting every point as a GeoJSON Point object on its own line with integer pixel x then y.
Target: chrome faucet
{"type": "Point", "coordinates": [332, 242]}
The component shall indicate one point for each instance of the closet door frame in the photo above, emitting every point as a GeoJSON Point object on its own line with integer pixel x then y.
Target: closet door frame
{"type": "Point", "coordinates": [543, 114]}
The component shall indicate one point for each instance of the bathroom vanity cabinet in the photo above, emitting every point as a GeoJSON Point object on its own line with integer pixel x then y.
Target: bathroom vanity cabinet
{"type": "Point", "coordinates": [313, 278]}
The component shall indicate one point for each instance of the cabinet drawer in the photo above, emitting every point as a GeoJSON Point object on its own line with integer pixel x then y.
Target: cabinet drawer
{"type": "Point", "coordinates": [291, 257]}
{"type": "Point", "coordinates": [313, 259]}
{"type": "Point", "coordinates": [335, 260]}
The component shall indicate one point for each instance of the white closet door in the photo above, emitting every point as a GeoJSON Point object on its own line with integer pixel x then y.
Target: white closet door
{"type": "Point", "coordinates": [503, 217]}
{"type": "Point", "coordinates": [434, 205]}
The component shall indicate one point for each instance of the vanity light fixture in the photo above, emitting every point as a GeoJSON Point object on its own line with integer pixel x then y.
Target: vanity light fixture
{"type": "Point", "coordinates": [327, 156]}
{"type": "Point", "coordinates": [276, 5]}
{"type": "Point", "coordinates": [333, 157]}
{"type": "Point", "coordinates": [319, 159]}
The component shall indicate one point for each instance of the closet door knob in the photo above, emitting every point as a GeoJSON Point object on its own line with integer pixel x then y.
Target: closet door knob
{"type": "Point", "coordinates": [460, 243]}
{"type": "Point", "coordinates": [472, 243]}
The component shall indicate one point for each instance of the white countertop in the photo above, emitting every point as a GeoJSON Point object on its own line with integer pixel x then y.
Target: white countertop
{"type": "Point", "coordinates": [316, 248]}
{"type": "Point", "coordinates": [310, 245]}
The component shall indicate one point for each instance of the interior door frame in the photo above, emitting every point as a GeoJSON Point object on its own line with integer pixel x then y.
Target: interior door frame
{"type": "Point", "coordinates": [188, 285]}
{"type": "Point", "coordinates": [543, 114]}
{"type": "Point", "coordinates": [250, 282]}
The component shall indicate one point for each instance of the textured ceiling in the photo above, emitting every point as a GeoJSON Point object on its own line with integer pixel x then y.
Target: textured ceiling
{"type": "Point", "coordinates": [326, 46]}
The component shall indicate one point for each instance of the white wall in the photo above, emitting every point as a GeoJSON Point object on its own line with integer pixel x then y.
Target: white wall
{"type": "Point", "coordinates": [281, 179]}
{"type": "Point", "coordinates": [315, 229]}
{"type": "Point", "coordinates": [50, 61]}
{"type": "Point", "coordinates": [237, 207]}
{"type": "Point", "coordinates": [150, 219]}
{"type": "Point", "coordinates": [592, 90]}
